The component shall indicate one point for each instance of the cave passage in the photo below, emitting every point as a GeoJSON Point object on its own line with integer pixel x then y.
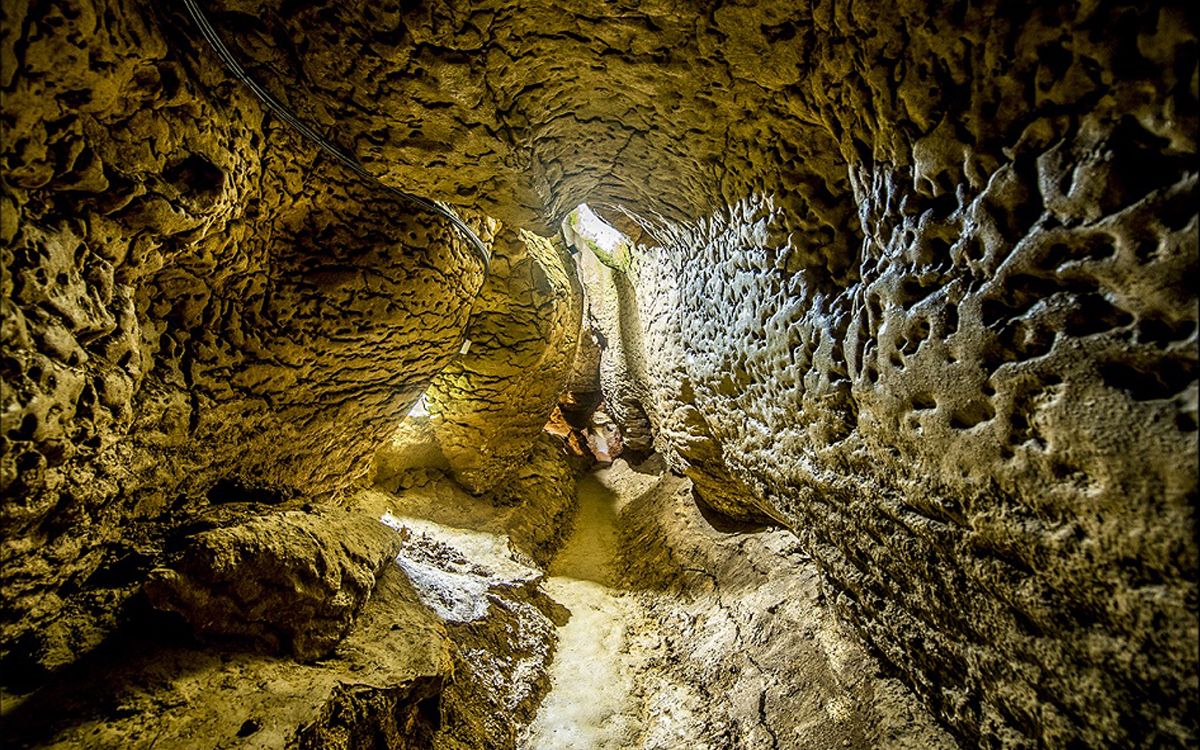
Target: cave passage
{"type": "Point", "coordinates": [617, 375]}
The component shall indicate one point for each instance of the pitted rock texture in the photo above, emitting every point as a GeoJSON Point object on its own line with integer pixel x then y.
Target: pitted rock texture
{"type": "Point", "coordinates": [924, 290]}
{"type": "Point", "coordinates": [488, 406]}
{"type": "Point", "coordinates": [746, 652]}
{"type": "Point", "coordinates": [996, 453]}
{"type": "Point", "coordinates": [193, 299]}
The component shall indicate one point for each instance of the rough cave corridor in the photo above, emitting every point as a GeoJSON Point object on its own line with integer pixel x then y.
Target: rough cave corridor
{"type": "Point", "coordinates": [610, 375]}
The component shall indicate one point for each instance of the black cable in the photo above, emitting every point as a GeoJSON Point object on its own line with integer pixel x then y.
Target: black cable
{"type": "Point", "coordinates": [281, 110]}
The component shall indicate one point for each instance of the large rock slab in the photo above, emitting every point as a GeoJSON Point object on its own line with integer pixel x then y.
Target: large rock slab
{"type": "Point", "coordinates": [380, 688]}
{"type": "Point", "coordinates": [292, 582]}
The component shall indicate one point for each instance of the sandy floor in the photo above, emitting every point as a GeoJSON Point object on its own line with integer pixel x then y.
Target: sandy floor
{"type": "Point", "coordinates": [684, 637]}
{"type": "Point", "coordinates": [679, 635]}
{"type": "Point", "coordinates": [592, 702]}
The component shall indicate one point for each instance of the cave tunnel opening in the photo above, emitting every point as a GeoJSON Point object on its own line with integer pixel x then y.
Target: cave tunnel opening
{"type": "Point", "coordinates": [466, 375]}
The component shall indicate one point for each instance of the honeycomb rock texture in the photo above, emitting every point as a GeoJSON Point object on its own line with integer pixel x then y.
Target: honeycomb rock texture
{"type": "Point", "coordinates": [489, 405]}
{"type": "Point", "coordinates": [193, 300]}
{"type": "Point", "coordinates": [915, 280]}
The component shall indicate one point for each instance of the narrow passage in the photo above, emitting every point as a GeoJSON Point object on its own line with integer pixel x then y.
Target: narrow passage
{"type": "Point", "coordinates": [591, 699]}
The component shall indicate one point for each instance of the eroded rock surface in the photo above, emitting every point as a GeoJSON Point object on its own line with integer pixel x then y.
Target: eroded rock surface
{"type": "Point", "coordinates": [382, 685]}
{"type": "Point", "coordinates": [685, 636]}
{"type": "Point", "coordinates": [292, 582]}
{"type": "Point", "coordinates": [914, 281]}
{"type": "Point", "coordinates": [987, 439]}
{"type": "Point", "coordinates": [475, 561]}
{"type": "Point", "coordinates": [488, 406]}
{"type": "Point", "coordinates": [194, 299]}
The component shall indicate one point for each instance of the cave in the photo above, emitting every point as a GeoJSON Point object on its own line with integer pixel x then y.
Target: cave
{"type": "Point", "coordinates": [599, 375]}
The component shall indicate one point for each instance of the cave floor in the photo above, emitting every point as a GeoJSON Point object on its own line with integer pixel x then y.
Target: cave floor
{"type": "Point", "coordinates": [665, 634]}
{"type": "Point", "coordinates": [684, 636]}
{"type": "Point", "coordinates": [591, 703]}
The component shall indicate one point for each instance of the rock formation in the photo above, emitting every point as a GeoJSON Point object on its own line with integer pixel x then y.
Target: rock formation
{"type": "Point", "coordinates": [489, 405]}
{"type": "Point", "coordinates": [916, 282]}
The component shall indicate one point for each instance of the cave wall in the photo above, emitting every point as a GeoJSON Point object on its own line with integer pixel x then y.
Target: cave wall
{"type": "Point", "coordinates": [198, 309]}
{"type": "Point", "coordinates": [1011, 527]}
{"type": "Point", "coordinates": [920, 283]}
{"type": "Point", "coordinates": [986, 432]}
{"type": "Point", "coordinates": [987, 435]}
{"type": "Point", "coordinates": [489, 405]}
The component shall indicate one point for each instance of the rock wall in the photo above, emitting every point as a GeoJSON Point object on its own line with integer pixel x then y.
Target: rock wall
{"type": "Point", "coordinates": [1026, 509]}
{"type": "Point", "coordinates": [488, 406]}
{"type": "Point", "coordinates": [648, 390]}
{"type": "Point", "coordinates": [921, 292]}
{"type": "Point", "coordinates": [198, 309]}
{"type": "Point", "coordinates": [986, 432]}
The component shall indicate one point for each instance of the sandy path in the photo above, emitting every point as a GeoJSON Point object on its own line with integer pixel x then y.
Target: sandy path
{"type": "Point", "coordinates": [591, 704]}
{"type": "Point", "coordinates": [727, 641]}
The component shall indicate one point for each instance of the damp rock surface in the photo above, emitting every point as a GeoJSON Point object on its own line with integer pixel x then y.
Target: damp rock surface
{"type": "Point", "coordinates": [915, 282]}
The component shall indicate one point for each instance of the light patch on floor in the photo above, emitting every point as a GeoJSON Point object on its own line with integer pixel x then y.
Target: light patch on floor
{"type": "Point", "coordinates": [452, 569]}
{"type": "Point", "coordinates": [591, 703]}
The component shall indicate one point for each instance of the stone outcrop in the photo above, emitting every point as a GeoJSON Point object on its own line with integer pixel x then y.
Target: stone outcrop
{"type": "Point", "coordinates": [476, 561]}
{"type": "Point", "coordinates": [533, 508]}
{"type": "Point", "coordinates": [488, 406]}
{"type": "Point", "coordinates": [382, 685]}
{"type": "Point", "coordinates": [293, 582]}
{"type": "Point", "coordinates": [582, 392]}
{"type": "Point", "coordinates": [636, 380]}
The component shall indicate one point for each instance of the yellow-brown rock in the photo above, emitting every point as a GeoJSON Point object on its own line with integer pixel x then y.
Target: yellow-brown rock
{"type": "Point", "coordinates": [914, 280]}
{"type": "Point", "coordinates": [489, 405]}
{"type": "Point", "coordinates": [291, 582]}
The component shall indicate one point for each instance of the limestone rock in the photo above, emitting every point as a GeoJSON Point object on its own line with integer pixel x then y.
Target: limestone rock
{"type": "Point", "coordinates": [191, 297]}
{"type": "Point", "coordinates": [751, 653]}
{"type": "Point", "coordinates": [486, 590]}
{"type": "Point", "coordinates": [292, 582]}
{"type": "Point", "coordinates": [915, 281]}
{"type": "Point", "coordinates": [582, 393]}
{"type": "Point", "coordinates": [611, 316]}
{"type": "Point", "coordinates": [489, 405]}
{"type": "Point", "coordinates": [532, 509]}
{"type": "Point", "coordinates": [409, 457]}
{"type": "Point", "coordinates": [381, 685]}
